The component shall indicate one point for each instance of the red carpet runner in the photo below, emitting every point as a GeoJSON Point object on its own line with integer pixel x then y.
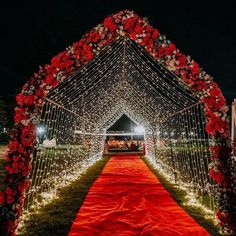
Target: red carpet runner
{"type": "Point", "coordinates": [127, 199]}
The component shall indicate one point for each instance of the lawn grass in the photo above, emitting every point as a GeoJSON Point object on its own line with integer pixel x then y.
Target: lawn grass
{"type": "Point", "coordinates": [57, 217]}
{"type": "Point", "coordinates": [179, 196]}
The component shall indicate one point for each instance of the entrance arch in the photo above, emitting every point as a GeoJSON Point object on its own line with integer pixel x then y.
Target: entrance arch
{"type": "Point", "coordinates": [174, 82]}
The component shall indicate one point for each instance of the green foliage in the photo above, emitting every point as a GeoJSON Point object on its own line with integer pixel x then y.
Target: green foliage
{"type": "Point", "coordinates": [179, 196]}
{"type": "Point", "coordinates": [57, 217]}
{"type": "Point", "coordinates": [4, 138]}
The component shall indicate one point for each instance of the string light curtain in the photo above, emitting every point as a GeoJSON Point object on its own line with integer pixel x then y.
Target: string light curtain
{"type": "Point", "coordinates": [60, 155]}
{"type": "Point", "coordinates": [123, 78]}
{"type": "Point", "coordinates": [182, 150]}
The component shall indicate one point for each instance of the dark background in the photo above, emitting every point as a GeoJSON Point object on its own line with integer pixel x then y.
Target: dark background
{"type": "Point", "coordinates": [33, 32]}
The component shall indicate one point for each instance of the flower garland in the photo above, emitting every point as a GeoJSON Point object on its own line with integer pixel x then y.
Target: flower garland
{"type": "Point", "coordinates": [30, 101]}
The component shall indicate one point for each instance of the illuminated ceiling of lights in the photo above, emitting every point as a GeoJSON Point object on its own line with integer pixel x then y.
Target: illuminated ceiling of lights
{"type": "Point", "coordinates": [122, 79]}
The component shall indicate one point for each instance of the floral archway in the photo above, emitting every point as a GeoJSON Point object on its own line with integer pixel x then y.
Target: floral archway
{"type": "Point", "coordinates": [137, 29]}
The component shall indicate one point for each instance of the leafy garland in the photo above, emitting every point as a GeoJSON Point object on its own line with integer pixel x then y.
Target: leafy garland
{"type": "Point", "coordinates": [30, 100]}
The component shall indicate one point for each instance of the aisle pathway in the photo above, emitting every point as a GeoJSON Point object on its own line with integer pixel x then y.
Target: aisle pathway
{"type": "Point", "coordinates": [127, 199]}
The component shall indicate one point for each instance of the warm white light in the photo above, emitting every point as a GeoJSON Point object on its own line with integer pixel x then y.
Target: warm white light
{"type": "Point", "coordinates": [139, 129]}
{"type": "Point", "coordinates": [40, 130]}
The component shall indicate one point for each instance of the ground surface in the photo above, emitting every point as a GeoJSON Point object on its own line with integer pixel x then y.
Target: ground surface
{"type": "Point", "coordinates": [56, 218]}
{"type": "Point", "coordinates": [3, 150]}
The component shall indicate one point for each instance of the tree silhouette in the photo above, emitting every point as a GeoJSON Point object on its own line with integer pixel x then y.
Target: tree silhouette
{"type": "Point", "coordinates": [3, 114]}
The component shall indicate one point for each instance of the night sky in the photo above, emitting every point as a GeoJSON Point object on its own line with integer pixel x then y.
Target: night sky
{"type": "Point", "coordinates": [124, 123]}
{"type": "Point", "coordinates": [32, 33]}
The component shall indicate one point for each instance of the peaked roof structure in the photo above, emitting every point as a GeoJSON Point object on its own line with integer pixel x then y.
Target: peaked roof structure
{"type": "Point", "coordinates": [123, 78]}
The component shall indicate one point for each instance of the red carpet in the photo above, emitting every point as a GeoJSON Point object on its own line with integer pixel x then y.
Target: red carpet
{"type": "Point", "coordinates": [127, 199]}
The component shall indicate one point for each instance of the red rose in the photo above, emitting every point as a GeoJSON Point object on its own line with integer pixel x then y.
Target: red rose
{"type": "Point", "coordinates": [191, 79]}
{"type": "Point", "coordinates": [138, 29]}
{"type": "Point", "coordinates": [218, 177]}
{"type": "Point", "coordinates": [182, 59]}
{"type": "Point", "coordinates": [15, 167]}
{"type": "Point", "coordinates": [216, 125]}
{"type": "Point", "coordinates": [13, 145]}
{"type": "Point", "coordinates": [10, 191]}
{"type": "Point", "coordinates": [212, 173]}
{"type": "Point", "coordinates": [16, 158]}
{"type": "Point", "coordinates": [214, 103]}
{"type": "Point", "coordinates": [148, 28]}
{"type": "Point", "coordinates": [29, 99]}
{"type": "Point", "coordinates": [19, 99]}
{"type": "Point", "coordinates": [25, 99]}
{"type": "Point", "coordinates": [93, 36]}
{"type": "Point", "coordinates": [170, 49]}
{"type": "Point", "coordinates": [66, 64]}
{"type": "Point", "coordinates": [87, 52]}
{"type": "Point", "coordinates": [20, 114]}
{"type": "Point", "coordinates": [22, 150]}
{"type": "Point", "coordinates": [149, 46]}
{"type": "Point", "coordinates": [147, 38]}
{"type": "Point", "coordinates": [2, 198]}
{"type": "Point", "coordinates": [195, 68]}
{"type": "Point", "coordinates": [161, 51]}
{"type": "Point", "coordinates": [55, 83]}
{"type": "Point", "coordinates": [129, 23]}
{"type": "Point", "coordinates": [49, 79]}
{"type": "Point", "coordinates": [215, 91]}
{"type": "Point", "coordinates": [109, 23]}
{"type": "Point", "coordinates": [10, 199]}
{"type": "Point", "coordinates": [22, 165]}
{"type": "Point", "coordinates": [24, 185]}
{"type": "Point", "coordinates": [155, 34]}
{"type": "Point", "coordinates": [199, 85]}
{"type": "Point", "coordinates": [50, 69]}
{"type": "Point", "coordinates": [77, 53]}
{"type": "Point", "coordinates": [155, 53]}
{"type": "Point", "coordinates": [28, 135]}
{"type": "Point", "coordinates": [9, 168]}
{"type": "Point", "coordinates": [133, 36]}
{"type": "Point", "coordinates": [62, 56]}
